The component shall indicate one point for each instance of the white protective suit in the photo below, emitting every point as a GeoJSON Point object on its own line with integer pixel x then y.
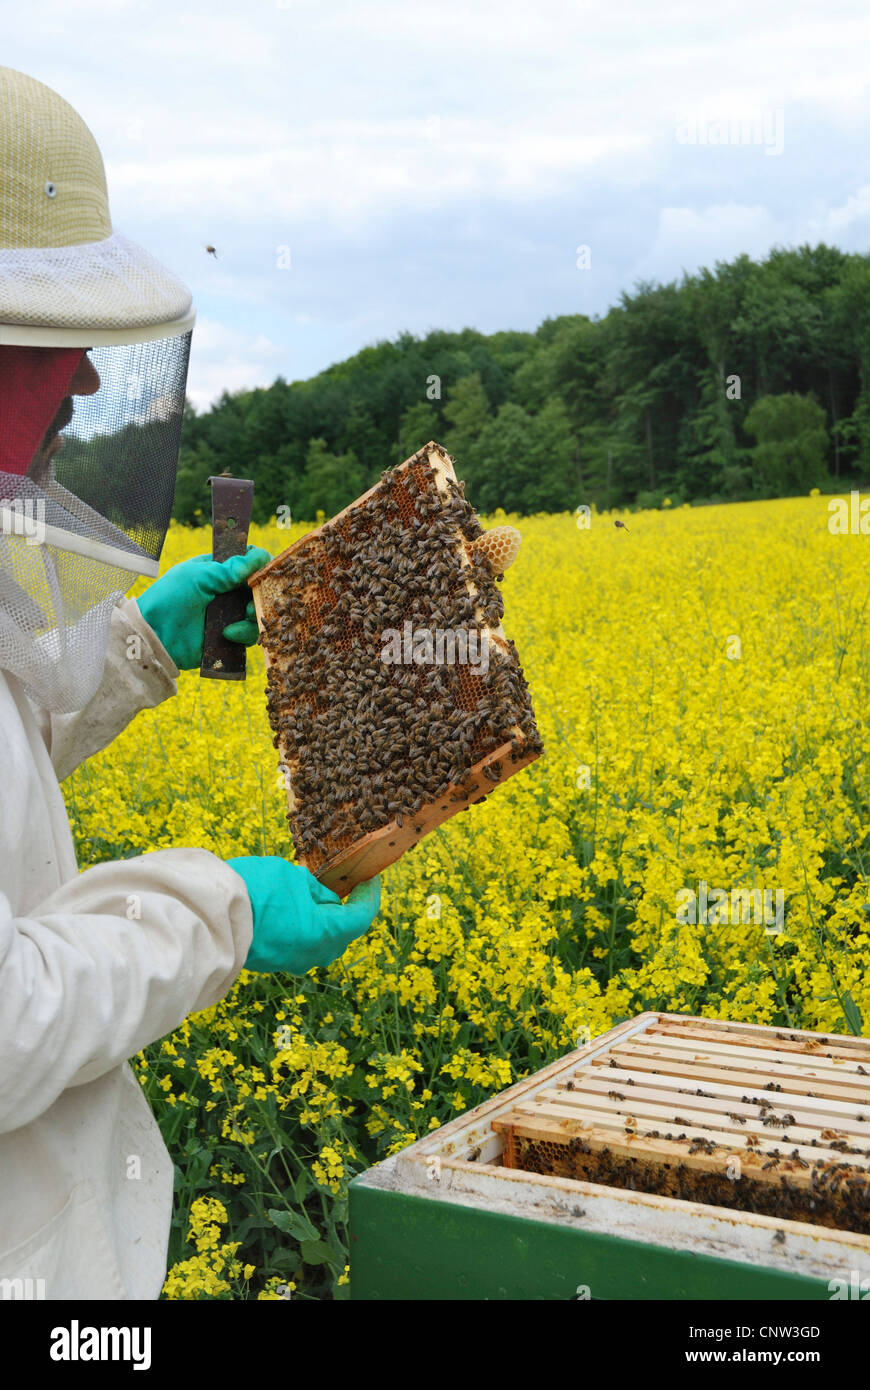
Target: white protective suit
{"type": "Point", "coordinates": [83, 987]}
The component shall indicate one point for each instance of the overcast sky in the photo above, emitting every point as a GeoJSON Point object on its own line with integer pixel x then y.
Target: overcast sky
{"type": "Point", "coordinates": [372, 166]}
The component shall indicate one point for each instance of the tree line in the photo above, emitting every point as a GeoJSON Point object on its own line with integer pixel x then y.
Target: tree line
{"type": "Point", "coordinates": [749, 380]}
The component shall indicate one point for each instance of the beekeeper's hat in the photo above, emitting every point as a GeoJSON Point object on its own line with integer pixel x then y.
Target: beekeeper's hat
{"type": "Point", "coordinates": [86, 480]}
{"type": "Point", "coordinates": [62, 267]}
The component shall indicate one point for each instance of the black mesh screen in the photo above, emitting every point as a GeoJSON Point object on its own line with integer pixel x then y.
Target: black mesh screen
{"type": "Point", "coordinates": [120, 448]}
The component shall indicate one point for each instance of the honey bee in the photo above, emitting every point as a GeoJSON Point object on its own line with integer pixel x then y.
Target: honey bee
{"type": "Point", "coordinates": [702, 1145]}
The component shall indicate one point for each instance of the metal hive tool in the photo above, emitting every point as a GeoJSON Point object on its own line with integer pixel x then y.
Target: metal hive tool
{"type": "Point", "coordinates": [377, 754]}
{"type": "Point", "coordinates": [753, 1119]}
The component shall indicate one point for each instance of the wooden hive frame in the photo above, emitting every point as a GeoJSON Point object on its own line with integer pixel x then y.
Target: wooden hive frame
{"type": "Point", "coordinates": [302, 580]}
{"type": "Point", "coordinates": [752, 1119]}
{"type": "Point", "coordinates": [629, 1242]}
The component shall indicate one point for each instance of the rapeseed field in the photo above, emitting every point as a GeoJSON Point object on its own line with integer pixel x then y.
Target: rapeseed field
{"type": "Point", "coordinates": [702, 685]}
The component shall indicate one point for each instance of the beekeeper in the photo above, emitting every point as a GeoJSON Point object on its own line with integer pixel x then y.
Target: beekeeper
{"type": "Point", "coordinates": [94, 339]}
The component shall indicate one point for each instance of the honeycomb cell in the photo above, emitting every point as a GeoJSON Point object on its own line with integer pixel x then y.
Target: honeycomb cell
{"type": "Point", "coordinates": [499, 547]}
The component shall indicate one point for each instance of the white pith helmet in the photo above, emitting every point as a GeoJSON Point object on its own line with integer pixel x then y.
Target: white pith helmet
{"type": "Point", "coordinates": [62, 267]}
{"type": "Point", "coordinates": [94, 350]}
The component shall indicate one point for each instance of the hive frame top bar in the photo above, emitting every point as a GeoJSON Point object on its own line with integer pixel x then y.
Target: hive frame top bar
{"type": "Point", "coordinates": [436, 462]}
{"type": "Point", "coordinates": [443, 1139]}
{"type": "Point", "coordinates": [460, 1163]}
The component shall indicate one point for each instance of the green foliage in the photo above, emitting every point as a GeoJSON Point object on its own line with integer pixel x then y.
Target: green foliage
{"type": "Point", "coordinates": [652, 400]}
{"type": "Point", "coordinates": [328, 483]}
{"type": "Point", "coordinates": [526, 462]}
{"type": "Point", "coordinates": [418, 425]}
{"type": "Point", "coordinates": [467, 413]}
{"type": "Point", "coordinates": [792, 443]}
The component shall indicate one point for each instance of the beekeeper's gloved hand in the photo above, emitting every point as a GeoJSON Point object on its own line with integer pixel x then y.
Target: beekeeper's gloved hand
{"type": "Point", "coordinates": [175, 604]}
{"type": "Point", "coordinates": [299, 922]}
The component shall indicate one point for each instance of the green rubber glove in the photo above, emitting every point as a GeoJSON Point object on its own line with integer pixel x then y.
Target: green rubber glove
{"type": "Point", "coordinates": [175, 604]}
{"type": "Point", "coordinates": [298, 922]}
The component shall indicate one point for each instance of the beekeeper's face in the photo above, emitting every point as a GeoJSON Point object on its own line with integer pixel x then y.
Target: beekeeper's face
{"type": "Point", "coordinates": [85, 382]}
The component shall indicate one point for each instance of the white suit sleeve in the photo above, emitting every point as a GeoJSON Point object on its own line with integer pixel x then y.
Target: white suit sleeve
{"type": "Point", "coordinates": [139, 673]}
{"type": "Point", "coordinates": [109, 963]}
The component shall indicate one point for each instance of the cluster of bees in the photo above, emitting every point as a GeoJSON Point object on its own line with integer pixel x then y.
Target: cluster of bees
{"type": "Point", "coordinates": [838, 1195]}
{"type": "Point", "coordinates": [781, 1179]}
{"type": "Point", "coordinates": [369, 742]}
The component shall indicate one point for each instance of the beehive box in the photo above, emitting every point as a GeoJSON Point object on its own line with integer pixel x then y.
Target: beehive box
{"type": "Point", "coordinates": [708, 1112]}
{"type": "Point", "coordinates": [380, 740]}
{"type": "Point", "coordinates": [674, 1157]}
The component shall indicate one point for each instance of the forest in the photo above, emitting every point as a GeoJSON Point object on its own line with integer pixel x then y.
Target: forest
{"type": "Point", "coordinates": [748, 381]}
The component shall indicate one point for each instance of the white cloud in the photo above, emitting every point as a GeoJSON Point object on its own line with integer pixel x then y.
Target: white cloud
{"type": "Point", "coordinates": [687, 238]}
{"type": "Point", "coordinates": [342, 173]}
{"type": "Point", "coordinates": [423, 161]}
{"type": "Point", "coordinates": [845, 220]}
{"type": "Point", "coordinates": [227, 359]}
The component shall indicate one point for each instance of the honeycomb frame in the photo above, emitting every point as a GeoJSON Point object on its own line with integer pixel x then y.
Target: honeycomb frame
{"type": "Point", "coordinates": [416, 511]}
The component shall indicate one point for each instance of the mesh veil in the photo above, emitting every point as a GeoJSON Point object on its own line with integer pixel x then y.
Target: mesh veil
{"type": "Point", "coordinates": [88, 517]}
